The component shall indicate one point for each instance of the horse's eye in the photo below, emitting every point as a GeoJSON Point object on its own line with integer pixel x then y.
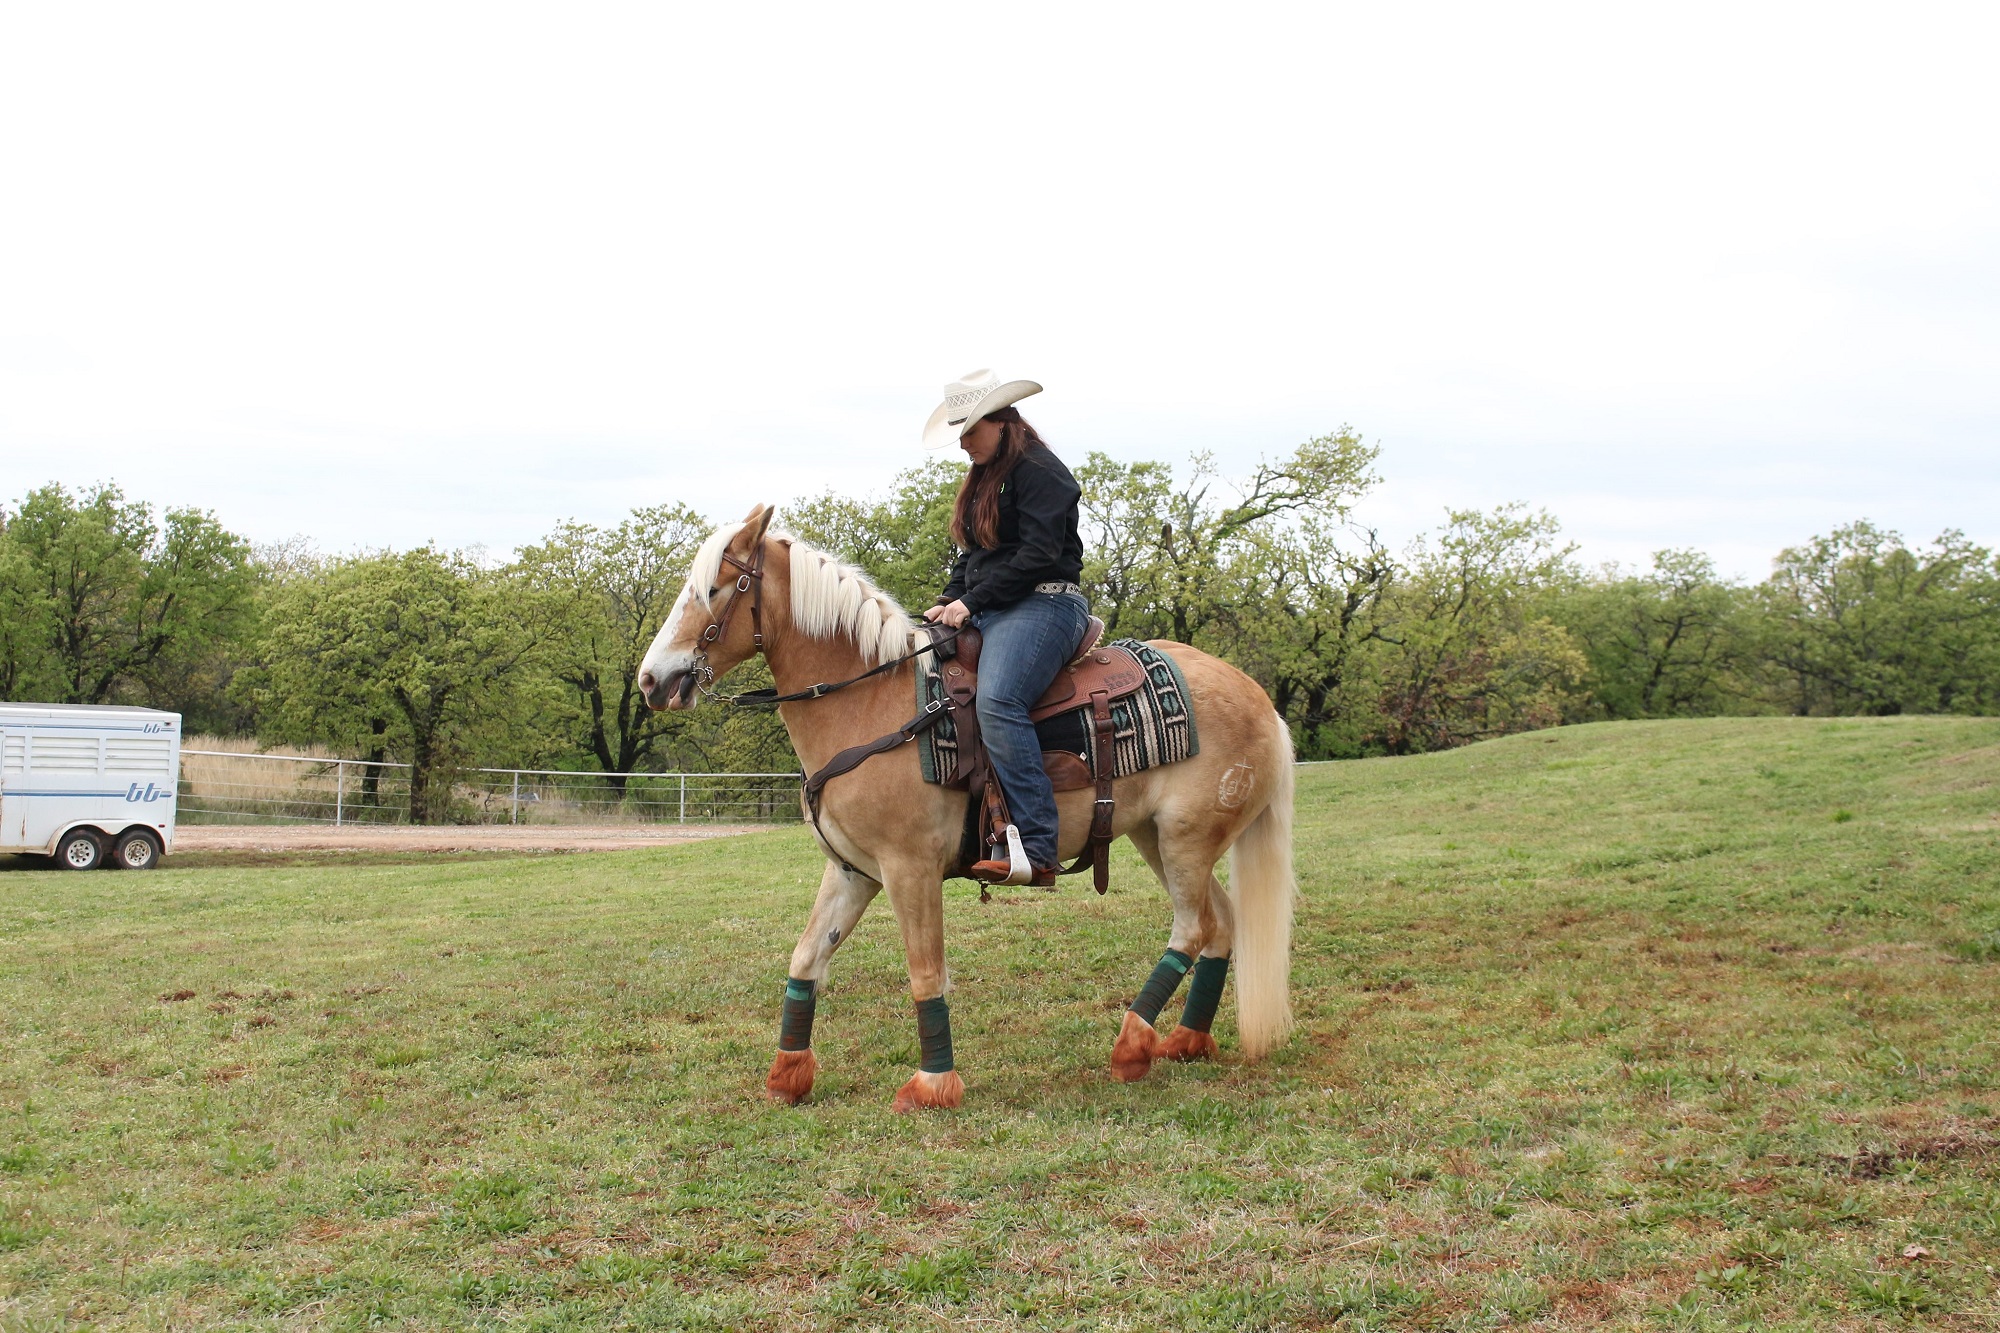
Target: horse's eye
{"type": "Point", "coordinates": [713, 589]}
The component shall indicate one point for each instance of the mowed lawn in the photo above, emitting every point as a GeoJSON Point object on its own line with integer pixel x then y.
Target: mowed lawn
{"type": "Point", "coordinates": [1676, 1025]}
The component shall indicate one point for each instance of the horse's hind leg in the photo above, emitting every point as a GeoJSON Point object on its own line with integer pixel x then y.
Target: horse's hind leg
{"type": "Point", "coordinates": [843, 896]}
{"type": "Point", "coordinates": [1190, 1039]}
{"type": "Point", "coordinates": [1201, 929]}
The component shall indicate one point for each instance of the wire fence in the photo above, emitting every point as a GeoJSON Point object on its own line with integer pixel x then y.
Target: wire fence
{"type": "Point", "coordinates": [223, 787]}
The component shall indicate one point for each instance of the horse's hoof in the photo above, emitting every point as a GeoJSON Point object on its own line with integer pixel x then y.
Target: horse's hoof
{"type": "Point", "coordinates": [942, 1092]}
{"type": "Point", "coordinates": [791, 1078]}
{"type": "Point", "coordinates": [1133, 1054]}
{"type": "Point", "coordinates": [1186, 1044]}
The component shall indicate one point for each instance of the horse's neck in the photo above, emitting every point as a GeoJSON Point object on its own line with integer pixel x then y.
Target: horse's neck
{"type": "Point", "coordinates": [821, 728]}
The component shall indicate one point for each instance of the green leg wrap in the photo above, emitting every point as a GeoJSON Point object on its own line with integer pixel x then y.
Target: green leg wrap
{"type": "Point", "coordinates": [1160, 987]}
{"type": "Point", "coordinates": [795, 1032]}
{"type": "Point", "coordinates": [934, 1035]}
{"type": "Point", "coordinates": [1204, 993]}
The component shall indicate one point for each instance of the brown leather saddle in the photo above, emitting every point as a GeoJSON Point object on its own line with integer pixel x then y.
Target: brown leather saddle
{"type": "Point", "coordinates": [1095, 676]}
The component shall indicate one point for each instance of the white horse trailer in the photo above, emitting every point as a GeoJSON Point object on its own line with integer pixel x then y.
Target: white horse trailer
{"type": "Point", "coordinates": [89, 785]}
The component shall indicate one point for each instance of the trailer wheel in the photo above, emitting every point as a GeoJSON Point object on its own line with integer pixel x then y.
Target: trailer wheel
{"type": "Point", "coordinates": [79, 850]}
{"type": "Point", "coordinates": [136, 849]}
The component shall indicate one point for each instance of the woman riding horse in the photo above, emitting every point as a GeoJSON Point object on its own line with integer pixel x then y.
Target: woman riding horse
{"type": "Point", "coordinates": [1015, 580]}
{"type": "Point", "coordinates": [843, 659]}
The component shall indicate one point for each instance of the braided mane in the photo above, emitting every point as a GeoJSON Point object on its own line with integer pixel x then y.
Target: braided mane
{"type": "Point", "coordinates": [828, 597]}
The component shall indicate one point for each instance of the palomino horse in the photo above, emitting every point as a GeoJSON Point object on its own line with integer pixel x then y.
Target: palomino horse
{"type": "Point", "coordinates": [881, 826]}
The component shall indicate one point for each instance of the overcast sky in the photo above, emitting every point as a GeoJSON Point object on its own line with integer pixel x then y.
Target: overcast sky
{"type": "Point", "coordinates": [1714, 276]}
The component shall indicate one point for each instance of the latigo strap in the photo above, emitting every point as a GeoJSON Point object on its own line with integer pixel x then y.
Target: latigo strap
{"type": "Point", "coordinates": [1097, 854]}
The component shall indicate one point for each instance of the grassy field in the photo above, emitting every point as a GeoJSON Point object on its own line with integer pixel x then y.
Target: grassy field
{"type": "Point", "coordinates": [1680, 1025]}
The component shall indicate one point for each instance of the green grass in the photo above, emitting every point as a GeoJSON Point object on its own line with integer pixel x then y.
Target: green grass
{"type": "Point", "coordinates": [1680, 1025]}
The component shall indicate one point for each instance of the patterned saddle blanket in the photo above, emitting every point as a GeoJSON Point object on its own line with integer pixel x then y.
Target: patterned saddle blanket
{"type": "Point", "coordinates": [1151, 726]}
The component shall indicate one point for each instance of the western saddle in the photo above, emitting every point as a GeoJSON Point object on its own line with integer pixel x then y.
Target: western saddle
{"type": "Point", "coordinates": [1095, 676]}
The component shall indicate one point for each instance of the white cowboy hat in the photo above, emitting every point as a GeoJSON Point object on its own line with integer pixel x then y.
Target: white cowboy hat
{"type": "Point", "coordinates": [968, 398]}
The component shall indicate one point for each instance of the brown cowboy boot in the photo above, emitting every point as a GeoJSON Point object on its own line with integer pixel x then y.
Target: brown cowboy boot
{"type": "Point", "coordinates": [1015, 869]}
{"type": "Point", "coordinates": [997, 872]}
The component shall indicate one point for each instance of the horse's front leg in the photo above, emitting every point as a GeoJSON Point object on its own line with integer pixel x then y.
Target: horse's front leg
{"type": "Point", "coordinates": [918, 897]}
{"type": "Point", "coordinates": [843, 896]}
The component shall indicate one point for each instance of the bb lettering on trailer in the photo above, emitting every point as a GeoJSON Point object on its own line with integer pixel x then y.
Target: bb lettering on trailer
{"type": "Point", "coordinates": [152, 793]}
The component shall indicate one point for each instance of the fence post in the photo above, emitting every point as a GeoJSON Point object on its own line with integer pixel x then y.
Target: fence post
{"type": "Point", "coordinates": [514, 816]}
{"type": "Point", "coordinates": [339, 791]}
{"type": "Point", "coordinates": [684, 798]}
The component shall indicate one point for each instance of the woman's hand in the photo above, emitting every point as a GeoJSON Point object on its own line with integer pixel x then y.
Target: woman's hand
{"type": "Point", "coordinates": [953, 615]}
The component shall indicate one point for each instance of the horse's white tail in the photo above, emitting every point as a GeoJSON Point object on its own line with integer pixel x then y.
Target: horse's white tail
{"type": "Point", "coordinates": [1260, 880]}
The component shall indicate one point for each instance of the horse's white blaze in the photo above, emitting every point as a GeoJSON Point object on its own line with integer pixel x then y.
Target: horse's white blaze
{"type": "Point", "coordinates": [662, 659]}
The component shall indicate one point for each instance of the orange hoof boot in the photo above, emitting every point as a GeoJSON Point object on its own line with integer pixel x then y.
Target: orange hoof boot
{"type": "Point", "coordinates": [1135, 1050]}
{"type": "Point", "coordinates": [791, 1078]}
{"type": "Point", "coordinates": [941, 1092]}
{"type": "Point", "coordinates": [1185, 1043]}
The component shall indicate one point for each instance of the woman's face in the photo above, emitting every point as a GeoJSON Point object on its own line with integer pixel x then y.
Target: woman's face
{"type": "Point", "coordinates": [982, 441]}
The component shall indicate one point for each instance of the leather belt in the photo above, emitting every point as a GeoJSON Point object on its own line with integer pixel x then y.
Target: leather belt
{"type": "Point", "coordinates": [1057, 587]}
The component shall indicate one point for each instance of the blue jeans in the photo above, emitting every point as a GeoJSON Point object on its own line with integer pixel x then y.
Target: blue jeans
{"type": "Point", "coordinates": [1024, 646]}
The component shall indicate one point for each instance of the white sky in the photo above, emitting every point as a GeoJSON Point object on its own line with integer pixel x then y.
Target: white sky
{"type": "Point", "coordinates": [1720, 276]}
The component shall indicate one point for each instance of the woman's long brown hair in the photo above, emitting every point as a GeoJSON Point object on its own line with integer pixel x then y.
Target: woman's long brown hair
{"type": "Point", "coordinates": [975, 519]}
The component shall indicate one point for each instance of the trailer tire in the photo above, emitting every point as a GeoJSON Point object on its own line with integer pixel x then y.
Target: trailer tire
{"type": "Point", "coordinates": [79, 850]}
{"type": "Point", "coordinates": [136, 849]}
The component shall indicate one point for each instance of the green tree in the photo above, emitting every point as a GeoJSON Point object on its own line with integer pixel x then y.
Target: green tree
{"type": "Point", "coordinates": [1272, 576]}
{"type": "Point", "coordinates": [27, 662]}
{"type": "Point", "coordinates": [423, 652]}
{"type": "Point", "coordinates": [607, 593]}
{"type": "Point", "coordinates": [100, 597]}
{"type": "Point", "coordinates": [903, 539]}
{"type": "Point", "coordinates": [1664, 643]}
{"type": "Point", "coordinates": [1460, 652]}
{"type": "Point", "coordinates": [1168, 560]}
{"type": "Point", "coordinates": [1309, 606]}
{"type": "Point", "coordinates": [1857, 622]}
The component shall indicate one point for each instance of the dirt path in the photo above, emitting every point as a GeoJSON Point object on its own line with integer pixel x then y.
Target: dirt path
{"type": "Point", "coordinates": [451, 838]}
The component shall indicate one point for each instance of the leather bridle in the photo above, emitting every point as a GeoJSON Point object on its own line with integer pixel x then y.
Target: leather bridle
{"type": "Point", "coordinates": [751, 580]}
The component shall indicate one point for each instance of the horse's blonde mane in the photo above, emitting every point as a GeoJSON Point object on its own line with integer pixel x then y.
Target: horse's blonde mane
{"type": "Point", "coordinates": [828, 597]}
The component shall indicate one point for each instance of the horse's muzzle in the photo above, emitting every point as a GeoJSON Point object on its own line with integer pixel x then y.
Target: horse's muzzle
{"type": "Point", "coordinates": [672, 691]}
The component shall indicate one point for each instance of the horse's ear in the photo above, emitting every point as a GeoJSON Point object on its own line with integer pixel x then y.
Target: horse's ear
{"type": "Point", "coordinates": [758, 519]}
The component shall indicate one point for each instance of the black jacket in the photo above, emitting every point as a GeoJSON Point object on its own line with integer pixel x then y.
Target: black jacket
{"type": "Point", "coordinates": [1038, 538]}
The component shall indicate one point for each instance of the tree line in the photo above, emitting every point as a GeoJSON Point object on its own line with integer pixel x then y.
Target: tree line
{"type": "Point", "coordinates": [1488, 625]}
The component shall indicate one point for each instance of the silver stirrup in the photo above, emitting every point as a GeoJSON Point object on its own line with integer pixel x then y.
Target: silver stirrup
{"type": "Point", "coordinates": [1018, 869]}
